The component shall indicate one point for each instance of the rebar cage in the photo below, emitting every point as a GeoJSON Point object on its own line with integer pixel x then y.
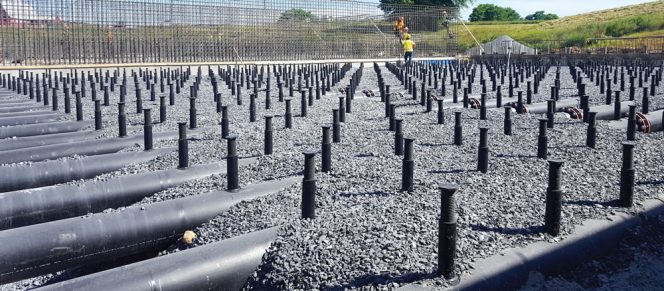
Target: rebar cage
{"type": "Point", "coordinates": [51, 32]}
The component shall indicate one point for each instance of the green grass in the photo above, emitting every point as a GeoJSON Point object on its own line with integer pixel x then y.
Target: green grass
{"type": "Point", "coordinates": [637, 20]}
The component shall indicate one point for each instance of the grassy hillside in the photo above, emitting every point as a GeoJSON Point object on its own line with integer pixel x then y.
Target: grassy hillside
{"type": "Point", "coordinates": [637, 20]}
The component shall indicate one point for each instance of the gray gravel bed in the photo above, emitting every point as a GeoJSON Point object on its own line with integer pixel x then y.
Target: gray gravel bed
{"type": "Point", "coordinates": [367, 233]}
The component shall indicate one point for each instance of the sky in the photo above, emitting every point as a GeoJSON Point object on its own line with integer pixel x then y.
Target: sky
{"type": "Point", "coordinates": [560, 7]}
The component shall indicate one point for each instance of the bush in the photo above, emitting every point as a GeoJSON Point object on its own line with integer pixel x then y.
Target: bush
{"type": "Point", "coordinates": [490, 12]}
{"type": "Point", "coordinates": [634, 24]}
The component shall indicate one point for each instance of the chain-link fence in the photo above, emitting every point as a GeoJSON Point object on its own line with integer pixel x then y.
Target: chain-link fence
{"type": "Point", "coordinates": [37, 32]}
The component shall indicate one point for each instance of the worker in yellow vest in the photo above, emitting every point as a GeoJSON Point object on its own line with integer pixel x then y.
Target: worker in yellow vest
{"type": "Point", "coordinates": [408, 48]}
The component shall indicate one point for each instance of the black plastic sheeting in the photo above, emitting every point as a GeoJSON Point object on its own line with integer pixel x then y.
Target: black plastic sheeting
{"type": "Point", "coordinates": [224, 265]}
{"type": "Point", "coordinates": [39, 249]}
{"type": "Point", "coordinates": [56, 172]}
{"type": "Point", "coordinates": [39, 205]}
{"type": "Point", "coordinates": [41, 129]}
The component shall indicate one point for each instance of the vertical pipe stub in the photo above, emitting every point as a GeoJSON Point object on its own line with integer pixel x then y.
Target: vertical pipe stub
{"type": "Point", "coordinates": [507, 123]}
{"type": "Point", "coordinates": [336, 126]}
{"type": "Point", "coordinates": [288, 118]}
{"type": "Point", "coordinates": [542, 139]}
{"type": "Point", "coordinates": [483, 150]}
{"type": "Point", "coordinates": [267, 150]}
{"type": "Point", "coordinates": [147, 129]}
{"type": "Point", "coordinates": [627, 172]}
{"type": "Point", "coordinates": [553, 198]}
{"type": "Point", "coordinates": [98, 122]}
{"type": "Point", "coordinates": [183, 146]}
{"type": "Point", "coordinates": [631, 123]}
{"type": "Point", "coordinates": [441, 112]}
{"type": "Point", "coordinates": [408, 166]}
{"type": "Point", "coordinates": [458, 130]}
{"type": "Point", "coordinates": [162, 109]}
{"type": "Point", "coordinates": [309, 186]}
{"type": "Point", "coordinates": [447, 231]}
{"type": "Point", "coordinates": [398, 137]}
{"type": "Point", "coordinates": [326, 150]}
{"type": "Point", "coordinates": [232, 175]}
{"type": "Point", "coordinates": [591, 133]}
{"type": "Point", "coordinates": [122, 120]}
{"type": "Point", "coordinates": [192, 113]}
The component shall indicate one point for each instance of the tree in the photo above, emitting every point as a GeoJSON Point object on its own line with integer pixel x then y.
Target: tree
{"type": "Point", "coordinates": [490, 12]}
{"type": "Point", "coordinates": [540, 15]}
{"type": "Point", "coordinates": [297, 14]}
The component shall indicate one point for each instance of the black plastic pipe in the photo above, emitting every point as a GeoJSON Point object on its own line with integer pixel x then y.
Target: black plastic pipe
{"type": "Point", "coordinates": [98, 121]}
{"type": "Point", "coordinates": [267, 142]}
{"type": "Point", "coordinates": [39, 205]}
{"type": "Point", "coordinates": [30, 119]}
{"type": "Point", "coordinates": [29, 113]}
{"type": "Point", "coordinates": [608, 112]}
{"type": "Point", "coordinates": [408, 166]}
{"type": "Point", "coordinates": [507, 123]}
{"type": "Point", "coordinates": [79, 107]}
{"type": "Point", "coordinates": [224, 265]}
{"type": "Point", "coordinates": [627, 172]}
{"type": "Point", "coordinates": [336, 126]}
{"type": "Point", "coordinates": [441, 112]}
{"type": "Point", "coordinates": [447, 231]}
{"type": "Point", "coordinates": [591, 133]}
{"type": "Point", "coordinates": [162, 109]}
{"type": "Point", "coordinates": [542, 139]}
{"type": "Point", "coordinates": [90, 147]}
{"type": "Point", "coordinates": [55, 172]}
{"type": "Point", "coordinates": [288, 117]}
{"type": "Point", "coordinates": [309, 186]}
{"type": "Point", "coordinates": [326, 150]}
{"type": "Point", "coordinates": [225, 131]}
{"type": "Point", "coordinates": [232, 166]}
{"type": "Point", "coordinates": [147, 130]}
{"type": "Point", "coordinates": [458, 129]}
{"type": "Point", "coordinates": [41, 140]}
{"type": "Point", "coordinates": [483, 107]}
{"type": "Point", "coordinates": [553, 198]}
{"type": "Point", "coordinates": [192, 113]}
{"type": "Point", "coordinates": [48, 247]}
{"type": "Point", "coordinates": [42, 129]}
{"type": "Point", "coordinates": [27, 108]}
{"type": "Point", "coordinates": [342, 109]}
{"type": "Point", "coordinates": [183, 146]}
{"type": "Point", "coordinates": [122, 120]}
{"type": "Point", "coordinates": [483, 150]}
{"type": "Point", "coordinates": [631, 123]}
